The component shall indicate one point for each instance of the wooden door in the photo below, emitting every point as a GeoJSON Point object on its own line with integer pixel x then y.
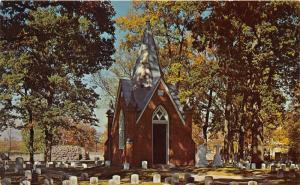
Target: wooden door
{"type": "Point", "coordinates": [159, 143]}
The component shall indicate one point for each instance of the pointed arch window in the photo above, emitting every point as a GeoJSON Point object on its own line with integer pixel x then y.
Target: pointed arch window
{"type": "Point", "coordinates": [121, 130]}
{"type": "Point", "coordinates": [160, 115]}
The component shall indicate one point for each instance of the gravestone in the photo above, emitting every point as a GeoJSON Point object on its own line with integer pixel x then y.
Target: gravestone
{"type": "Point", "coordinates": [201, 160]}
{"type": "Point", "coordinates": [252, 183]}
{"type": "Point", "coordinates": [25, 182]}
{"type": "Point", "coordinates": [208, 180]}
{"type": "Point", "coordinates": [73, 180]}
{"type": "Point", "coordinates": [217, 162]}
{"type": "Point", "coordinates": [156, 178]}
{"type": "Point", "coordinates": [19, 164]}
{"type": "Point", "coordinates": [84, 165]}
{"type": "Point", "coordinates": [134, 179]}
{"type": "Point", "coordinates": [247, 165]}
{"type": "Point", "coordinates": [144, 164]}
{"type": "Point", "coordinates": [263, 166]}
{"type": "Point", "coordinates": [233, 183]}
{"type": "Point", "coordinates": [107, 163]}
{"type": "Point", "coordinates": [94, 181]}
{"type": "Point", "coordinates": [66, 182]}
{"type": "Point", "coordinates": [126, 166]}
{"type": "Point", "coordinates": [111, 182]}
{"type": "Point", "coordinates": [117, 179]}
{"type": "Point", "coordinates": [293, 166]}
{"type": "Point", "coordinates": [253, 166]}
{"type": "Point", "coordinates": [28, 174]}
{"type": "Point", "coordinates": [38, 171]}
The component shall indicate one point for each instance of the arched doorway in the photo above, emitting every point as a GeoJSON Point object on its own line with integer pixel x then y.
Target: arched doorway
{"type": "Point", "coordinates": [160, 136]}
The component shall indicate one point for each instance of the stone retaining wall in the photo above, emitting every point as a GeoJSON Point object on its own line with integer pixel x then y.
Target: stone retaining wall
{"type": "Point", "coordinates": [67, 153]}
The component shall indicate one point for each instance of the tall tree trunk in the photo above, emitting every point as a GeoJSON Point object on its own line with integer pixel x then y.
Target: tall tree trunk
{"type": "Point", "coordinates": [205, 126]}
{"type": "Point", "coordinates": [48, 145]}
{"type": "Point", "coordinates": [242, 128]}
{"type": "Point", "coordinates": [257, 135]}
{"type": "Point", "coordinates": [227, 124]}
{"type": "Point", "coordinates": [31, 138]}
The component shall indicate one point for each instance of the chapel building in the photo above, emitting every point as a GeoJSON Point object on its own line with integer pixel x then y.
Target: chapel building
{"type": "Point", "coordinates": [148, 122]}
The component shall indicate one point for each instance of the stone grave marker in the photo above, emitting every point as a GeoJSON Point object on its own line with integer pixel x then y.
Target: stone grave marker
{"type": "Point", "coordinates": [253, 166]}
{"type": "Point", "coordinates": [126, 166]}
{"type": "Point", "coordinates": [94, 181]}
{"type": "Point", "coordinates": [107, 163]}
{"type": "Point", "coordinates": [25, 182]}
{"type": "Point", "coordinates": [84, 165]}
{"type": "Point", "coordinates": [233, 183]}
{"type": "Point", "coordinates": [73, 164]}
{"type": "Point", "coordinates": [263, 166]}
{"type": "Point", "coordinates": [201, 160]}
{"type": "Point", "coordinates": [117, 179]}
{"type": "Point", "coordinates": [73, 180]}
{"type": "Point", "coordinates": [144, 164]}
{"type": "Point", "coordinates": [156, 178]}
{"type": "Point", "coordinates": [217, 162]}
{"type": "Point", "coordinates": [252, 183]}
{"type": "Point", "coordinates": [208, 180]}
{"type": "Point", "coordinates": [28, 174]}
{"type": "Point", "coordinates": [66, 182]}
{"type": "Point", "coordinates": [293, 166]}
{"type": "Point", "coordinates": [134, 179]}
{"type": "Point", "coordinates": [38, 171]}
{"type": "Point", "coordinates": [111, 182]}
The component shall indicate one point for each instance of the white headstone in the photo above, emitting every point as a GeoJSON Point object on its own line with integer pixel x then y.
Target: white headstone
{"type": "Point", "coordinates": [293, 166]}
{"type": "Point", "coordinates": [217, 162]}
{"type": "Point", "coordinates": [252, 183]}
{"type": "Point", "coordinates": [73, 180]}
{"type": "Point", "coordinates": [144, 164]}
{"type": "Point", "coordinates": [233, 183]}
{"type": "Point", "coordinates": [94, 181]}
{"type": "Point", "coordinates": [117, 179]}
{"type": "Point", "coordinates": [263, 166]}
{"type": "Point", "coordinates": [66, 182]}
{"type": "Point", "coordinates": [134, 179]}
{"type": "Point", "coordinates": [156, 178]}
{"type": "Point", "coordinates": [38, 171]}
{"type": "Point", "coordinates": [84, 165]}
{"type": "Point", "coordinates": [175, 178]}
{"type": "Point", "coordinates": [201, 160]}
{"type": "Point", "coordinates": [253, 166]}
{"type": "Point", "coordinates": [73, 164]}
{"type": "Point", "coordinates": [248, 165]}
{"type": "Point", "coordinates": [25, 182]}
{"type": "Point", "coordinates": [208, 180]}
{"type": "Point", "coordinates": [111, 182]}
{"type": "Point", "coordinates": [107, 163]}
{"type": "Point", "coordinates": [126, 166]}
{"type": "Point", "coordinates": [28, 174]}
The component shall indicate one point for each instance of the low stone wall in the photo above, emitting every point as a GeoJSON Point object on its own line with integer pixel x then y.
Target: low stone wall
{"type": "Point", "coordinates": [67, 153]}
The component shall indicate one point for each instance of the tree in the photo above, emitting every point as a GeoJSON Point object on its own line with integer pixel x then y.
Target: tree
{"type": "Point", "coordinates": [261, 48]}
{"type": "Point", "coordinates": [52, 48]}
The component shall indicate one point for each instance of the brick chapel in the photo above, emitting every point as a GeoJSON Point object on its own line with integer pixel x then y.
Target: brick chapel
{"type": "Point", "coordinates": [148, 122]}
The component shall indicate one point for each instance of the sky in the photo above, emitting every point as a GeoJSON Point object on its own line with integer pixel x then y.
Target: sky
{"type": "Point", "coordinates": [121, 9]}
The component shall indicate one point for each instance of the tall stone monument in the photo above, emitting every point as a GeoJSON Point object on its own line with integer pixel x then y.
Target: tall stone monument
{"type": "Point", "coordinates": [217, 162]}
{"type": "Point", "coordinates": [201, 160]}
